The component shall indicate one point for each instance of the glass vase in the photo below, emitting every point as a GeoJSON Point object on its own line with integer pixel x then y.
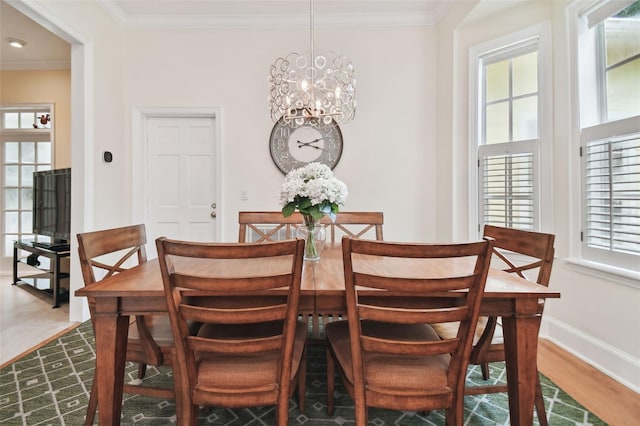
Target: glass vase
{"type": "Point", "coordinates": [314, 235]}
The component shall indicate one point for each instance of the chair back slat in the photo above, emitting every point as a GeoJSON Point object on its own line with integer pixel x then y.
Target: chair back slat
{"type": "Point", "coordinates": [413, 285]}
{"type": "Point", "coordinates": [234, 347]}
{"type": "Point", "coordinates": [241, 315]}
{"type": "Point", "coordinates": [413, 316]}
{"type": "Point", "coordinates": [227, 285]}
{"type": "Point", "coordinates": [409, 348]}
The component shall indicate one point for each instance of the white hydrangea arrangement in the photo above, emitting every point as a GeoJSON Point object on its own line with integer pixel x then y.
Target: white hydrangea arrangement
{"type": "Point", "coordinates": [314, 191]}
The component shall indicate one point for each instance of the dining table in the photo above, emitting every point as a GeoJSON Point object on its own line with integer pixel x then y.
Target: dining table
{"type": "Point", "coordinates": [140, 291]}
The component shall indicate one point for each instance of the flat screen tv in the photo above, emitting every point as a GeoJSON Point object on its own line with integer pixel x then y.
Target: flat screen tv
{"type": "Point", "coordinates": [52, 205]}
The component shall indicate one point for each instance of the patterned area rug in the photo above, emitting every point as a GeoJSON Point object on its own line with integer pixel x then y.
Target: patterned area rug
{"type": "Point", "coordinates": [51, 386]}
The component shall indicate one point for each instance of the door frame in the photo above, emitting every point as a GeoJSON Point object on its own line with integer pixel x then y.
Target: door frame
{"type": "Point", "coordinates": [140, 158]}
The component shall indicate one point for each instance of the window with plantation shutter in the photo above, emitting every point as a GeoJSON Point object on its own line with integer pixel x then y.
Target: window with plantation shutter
{"type": "Point", "coordinates": [610, 134]}
{"type": "Point", "coordinates": [611, 169]}
{"type": "Point", "coordinates": [508, 134]}
{"type": "Point", "coordinates": [508, 190]}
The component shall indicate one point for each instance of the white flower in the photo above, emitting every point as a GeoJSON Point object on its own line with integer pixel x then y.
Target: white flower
{"type": "Point", "coordinates": [313, 190]}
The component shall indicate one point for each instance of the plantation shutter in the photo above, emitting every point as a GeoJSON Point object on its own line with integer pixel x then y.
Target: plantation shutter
{"type": "Point", "coordinates": [507, 190]}
{"type": "Point", "coordinates": [612, 194]}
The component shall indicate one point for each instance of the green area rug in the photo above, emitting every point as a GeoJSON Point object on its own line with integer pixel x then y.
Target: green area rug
{"type": "Point", "coordinates": [51, 385]}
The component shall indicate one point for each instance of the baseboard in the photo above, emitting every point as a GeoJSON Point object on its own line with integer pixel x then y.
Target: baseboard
{"type": "Point", "coordinates": [616, 364]}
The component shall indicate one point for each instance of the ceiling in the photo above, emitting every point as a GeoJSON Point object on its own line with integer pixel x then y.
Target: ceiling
{"type": "Point", "coordinates": [45, 50]}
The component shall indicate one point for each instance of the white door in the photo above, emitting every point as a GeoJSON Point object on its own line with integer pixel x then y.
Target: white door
{"type": "Point", "coordinates": [180, 188]}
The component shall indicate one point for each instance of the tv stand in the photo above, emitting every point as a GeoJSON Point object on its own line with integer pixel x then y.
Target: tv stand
{"type": "Point", "coordinates": [54, 246]}
{"type": "Point", "coordinates": [54, 252]}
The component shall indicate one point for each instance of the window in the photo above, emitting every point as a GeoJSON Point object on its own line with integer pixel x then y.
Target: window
{"type": "Point", "coordinates": [610, 137]}
{"type": "Point", "coordinates": [618, 61]}
{"type": "Point", "coordinates": [507, 130]}
{"type": "Point", "coordinates": [26, 148]}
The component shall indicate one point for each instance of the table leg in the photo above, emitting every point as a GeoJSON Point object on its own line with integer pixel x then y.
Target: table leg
{"type": "Point", "coordinates": [15, 263]}
{"type": "Point", "coordinates": [521, 347]}
{"type": "Point", "coordinates": [111, 333]}
{"type": "Point", "coordinates": [56, 280]}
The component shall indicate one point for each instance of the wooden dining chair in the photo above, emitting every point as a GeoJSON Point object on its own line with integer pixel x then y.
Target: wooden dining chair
{"type": "Point", "coordinates": [274, 226]}
{"type": "Point", "coordinates": [386, 353]}
{"type": "Point", "coordinates": [150, 341]}
{"type": "Point", "coordinates": [259, 227]}
{"type": "Point", "coordinates": [529, 255]}
{"type": "Point", "coordinates": [250, 350]}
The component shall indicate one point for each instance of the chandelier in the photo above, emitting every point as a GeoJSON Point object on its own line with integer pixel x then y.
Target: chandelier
{"type": "Point", "coordinates": [306, 86]}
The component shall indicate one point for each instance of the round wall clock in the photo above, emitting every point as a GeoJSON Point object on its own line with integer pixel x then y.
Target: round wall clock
{"type": "Point", "coordinates": [293, 146]}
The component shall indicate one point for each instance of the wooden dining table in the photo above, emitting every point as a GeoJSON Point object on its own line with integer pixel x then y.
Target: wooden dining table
{"type": "Point", "coordinates": [139, 291]}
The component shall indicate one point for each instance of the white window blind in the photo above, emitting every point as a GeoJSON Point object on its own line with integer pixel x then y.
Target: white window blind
{"type": "Point", "coordinates": [508, 190]}
{"type": "Point", "coordinates": [610, 136]}
{"type": "Point", "coordinates": [612, 192]}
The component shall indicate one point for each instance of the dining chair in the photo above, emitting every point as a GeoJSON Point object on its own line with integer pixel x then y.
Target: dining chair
{"type": "Point", "coordinates": [274, 226]}
{"type": "Point", "coordinates": [386, 353]}
{"type": "Point", "coordinates": [250, 350]}
{"type": "Point", "coordinates": [258, 227]}
{"type": "Point", "coordinates": [529, 255]}
{"type": "Point", "coordinates": [150, 341]}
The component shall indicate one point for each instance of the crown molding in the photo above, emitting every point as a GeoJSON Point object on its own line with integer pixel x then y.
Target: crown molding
{"type": "Point", "coordinates": [35, 65]}
{"type": "Point", "coordinates": [272, 21]}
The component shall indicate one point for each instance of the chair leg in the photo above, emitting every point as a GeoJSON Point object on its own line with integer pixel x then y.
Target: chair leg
{"type": "Point", "coordinates": [92, 406]}
{"type": "Point", "coordinates": [190, 416]}
{"type": "Point", "coordinates": [539, 403]}
{"type": "Point", "coordinates": [282, 412]}
{"type": "Point", "coordinates": [302, 380]}
{"type": "Point", "coordinates": [455, 414]}
{"type": "Point", "coordinates": [330, 382]}
{"type": "Point", "coordinates": [142, 370]}
{"type": "Point", "coordinates": [450, 417]}
{"type": "Point", "coordinates": [361, 414]}
{"type": "Point", "coordinates": [485, 370]}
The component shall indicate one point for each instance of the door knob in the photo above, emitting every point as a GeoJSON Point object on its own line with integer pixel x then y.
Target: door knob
{"type": "Point", "coordinates": [213, 212]}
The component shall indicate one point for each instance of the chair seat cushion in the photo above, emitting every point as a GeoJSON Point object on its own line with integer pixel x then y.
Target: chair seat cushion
{"type": "Point", "coordinates": [219, 371]}
{"type": "Point", "coordinates": [449, 330]}
{"type": "Point", "coordinates": [159, 326]}
{"type": "Point", "coordinates": [384, 371]}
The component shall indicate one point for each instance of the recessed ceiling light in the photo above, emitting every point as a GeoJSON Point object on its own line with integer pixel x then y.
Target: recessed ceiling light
{"type": "Point", "coordinates": [16, 42]}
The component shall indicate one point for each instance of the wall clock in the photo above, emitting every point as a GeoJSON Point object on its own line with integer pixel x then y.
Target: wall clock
{"type": "Point", "coordinates": [293, 146]}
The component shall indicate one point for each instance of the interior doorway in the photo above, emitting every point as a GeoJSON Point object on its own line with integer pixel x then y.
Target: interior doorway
{"type": "Point", "coordinates": [81, 140]}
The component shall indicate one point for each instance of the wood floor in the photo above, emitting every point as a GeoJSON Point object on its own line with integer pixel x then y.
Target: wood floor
{"type": "Point", "coordinates": [614, 403]}
{"type": "Point", "coordinates": [26, 317]}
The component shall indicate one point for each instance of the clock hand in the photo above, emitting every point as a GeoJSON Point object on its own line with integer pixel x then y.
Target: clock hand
{"type": "Point", "coordinates": [301, 144]}
{"type": "Point", "coordinates": [310, 146]}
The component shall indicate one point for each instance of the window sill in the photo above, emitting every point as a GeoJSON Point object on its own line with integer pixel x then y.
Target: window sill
{"type": "Point", "coordinates": [609, 273]}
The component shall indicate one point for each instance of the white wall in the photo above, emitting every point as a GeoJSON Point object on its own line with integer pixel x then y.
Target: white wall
{"type": "Point", "coordinates": [388, 162]}
{"type": "Point", "coordinates": [598, 315]}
